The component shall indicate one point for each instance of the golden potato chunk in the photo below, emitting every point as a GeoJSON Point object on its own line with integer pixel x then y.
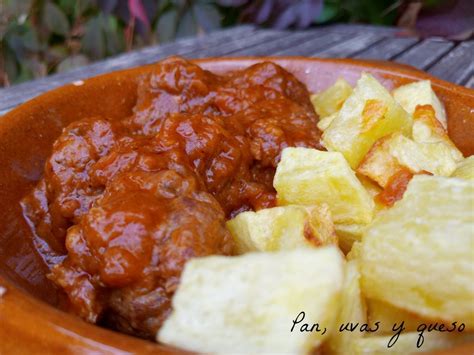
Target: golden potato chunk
{"type": "Point", "coordinates": [368, 114]}
{"type": "Point", "coordinates": [309, 177]}
{"type": "Point", "coordinates": [324, 123]}
{"type": "Point", "coordinates": [435, 158]}
{"type": "Point", "coordinates": [418, 255]}
{"type": "Point", "coordinates": [379, 164]}
{"type": "Point", "coordinates": [427, 129]}
{"type": "Point", "coordinates": [331, 100]}
{"type": "Point", "coordinates": [282, 228]}
{"type": "Point", "coordinates": [390, 154]}
{"type": "Point", "coordinates": [252, 304]}
{"type": "Point", "coordinates": [407, 343]}
{"type": "Point", "coordinates": [420, 93]}
{"type": "Point", "coordinates": [352, 310]}
{"type": "Point", "coordinates": [354, 253]}
{"type": "Point", "coordinates": [465, 169]}
{"type": "Point", "coordinates": [348, 234]}
{"type": "Point", "coordinates": [387, 316]}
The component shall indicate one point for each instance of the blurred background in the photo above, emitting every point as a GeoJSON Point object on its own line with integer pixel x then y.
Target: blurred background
{"type": "Point", "coordinates": [41, 37]}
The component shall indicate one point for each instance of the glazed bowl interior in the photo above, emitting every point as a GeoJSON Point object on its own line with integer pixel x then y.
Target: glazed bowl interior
{"type": "Point", "coordinates": [26, 137]}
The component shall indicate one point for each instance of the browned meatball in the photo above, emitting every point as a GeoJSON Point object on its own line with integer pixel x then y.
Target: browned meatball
{"type": "Point", "coordinates": [67, 170]}
{"type": "Point", "coordinates": [66, 191]}
{"type": "Point", "coordinates": [257, 83]}
{"type": "Point", "coordinates": [173, 86]}
{"type": "Point", "coordinates": [126, 255]}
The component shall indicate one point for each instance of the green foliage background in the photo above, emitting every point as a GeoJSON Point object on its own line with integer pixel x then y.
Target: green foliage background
{"type": "Point", "coordinates": [40, 37]}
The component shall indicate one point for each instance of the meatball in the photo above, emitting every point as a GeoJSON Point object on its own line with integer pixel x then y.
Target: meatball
{"type": "Point", "coordinates": [66, 191]}
{"type": "Point", "coordinates": [67, 170]}
{"type": "Point", "coordinates": [173, 86]}
{"type": "Point", "coordinates": [126, 255]}
{"type": "Point", "coordinates": [218, 151]}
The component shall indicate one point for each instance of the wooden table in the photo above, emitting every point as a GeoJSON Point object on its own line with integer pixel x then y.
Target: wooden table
{"type": "Point", "coordinates": [445, 59]}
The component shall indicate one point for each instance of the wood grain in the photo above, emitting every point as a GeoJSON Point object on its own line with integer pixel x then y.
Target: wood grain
{"type": "Point", "coordinates": [387, 48]}
{"type": "Point", "coordinates": [425, 53]}
{"type": "Point", "coordinates": [458, 65]}
{"type": "Point", "coordinates": [441, 58]}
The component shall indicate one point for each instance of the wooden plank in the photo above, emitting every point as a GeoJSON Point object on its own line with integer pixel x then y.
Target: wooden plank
{"type": "Point", "coordinates": [350, 46]}
{"type": "Point", "coordinates": [239, 43]}
{"type": "Point", "coordinates": [271, 47]}
{"type": "Point", "coordinates": [362, 28]}
{"type": "Point", "coordinates": [387, 48]}
{"type": "Point", "coordinates": [470, 82]}
{"type": "Point", "coordinates": [458, 65]}
{"type": "Point", "coordinates": [300, 42]}
{"type": "Point", "coordinates": [318, 42]}
{"type": "Point", "coordinates": [181, 47]}
{"type": "Point", "coordinates": [359, 41]}
{"type": "Point", "coordinates": [425, 53]}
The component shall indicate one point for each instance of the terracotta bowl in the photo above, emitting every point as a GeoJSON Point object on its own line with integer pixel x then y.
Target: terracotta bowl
{"type": "Point", "coordinates": [29, 321]}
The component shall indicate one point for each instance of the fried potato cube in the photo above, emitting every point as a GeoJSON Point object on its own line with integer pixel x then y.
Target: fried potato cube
{"type": "Point", "coordinates": [465, 169]}
{"type": "Point", "coordinates": [282, 228]}
{"type": "Point", "coordinates": [420, 93]}
{"type": "Point", "coordinates": [418, 255]}
{"type": "Point", "coordinates": [390, 154]}
{"type": "Point", "coordinates": [407, 343]}
{"type": "Point", "coordinates": [309, 177]}
{"type": "Point", "coordinates": [387, 316]}
{"type": "Point", "coordinates": [324, 122]}
{"type": "Point", "coordinates": [348, 234]}
{"type": "Point", "coordinates": [354, 253]}
{"type": "Point", "coordinates": [435, 158]}
{"type": "Point", "coordinates": [352, 310]}
{"type": "Point", "coordinates": [372, 188]}
{"type": "Point", "coordinates": [379, 164]}
{"type": "Point", "coordinates": [369, 114]}
{"type": "Point", "coordinates": [331, 100]}
{"type": "Point", "coordinates": [248, 304]}
{"type": "Point", "coordinates": [427, 129]}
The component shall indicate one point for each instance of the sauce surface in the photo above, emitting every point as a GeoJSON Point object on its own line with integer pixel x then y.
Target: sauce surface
{"type": "Point", "coordinates": [123, 204]}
